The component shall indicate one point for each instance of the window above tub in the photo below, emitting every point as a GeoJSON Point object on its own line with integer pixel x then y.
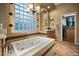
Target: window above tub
{"type": "Point", "coordinates": [23, 20]}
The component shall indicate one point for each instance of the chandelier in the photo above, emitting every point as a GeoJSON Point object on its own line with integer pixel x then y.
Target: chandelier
{"type": "Point", "coordinates": [34, 8]}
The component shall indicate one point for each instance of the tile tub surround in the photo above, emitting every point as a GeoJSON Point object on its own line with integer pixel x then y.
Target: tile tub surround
{"type": "Point", "coordinates": [17, 38]}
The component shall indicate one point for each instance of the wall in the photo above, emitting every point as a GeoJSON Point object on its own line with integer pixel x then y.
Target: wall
{"type": "Point", "coordinates": [2, 14]}
{"type": "Point", "coordinates": [2, 18]}
{"type": "Point", "coordinates": [63, 9]}
{"type": "Point", "coordinates": [44, 19]}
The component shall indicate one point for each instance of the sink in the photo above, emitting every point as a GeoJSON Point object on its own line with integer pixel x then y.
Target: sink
{"type": "Point", "coordinates": [3, 33]}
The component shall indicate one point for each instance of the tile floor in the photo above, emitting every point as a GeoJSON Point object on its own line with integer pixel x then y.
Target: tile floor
{"type": "Point", "coordinates": [63, 49]}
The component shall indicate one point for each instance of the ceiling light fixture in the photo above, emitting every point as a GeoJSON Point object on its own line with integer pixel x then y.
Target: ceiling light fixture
{"type": "Point", "coordinates": [31, 6]}
{"type": "Point", "coordinates": [48, 7]}
{"type": "Point", "coordinates": [34, 9]}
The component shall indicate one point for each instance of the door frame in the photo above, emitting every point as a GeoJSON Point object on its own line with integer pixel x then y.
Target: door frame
{"type": "Point", "coordinates": [70, 14]}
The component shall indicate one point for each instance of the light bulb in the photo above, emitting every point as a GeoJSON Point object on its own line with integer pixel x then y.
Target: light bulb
{"type": "Point", "coordinates": [48, 7]}
{"type": "Point", "coordinates": [31, 6]}
{"type": "Point", "coordinates": [38, 7]}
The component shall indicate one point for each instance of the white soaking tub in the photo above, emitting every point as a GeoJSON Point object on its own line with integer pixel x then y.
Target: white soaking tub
{"type": "Point", "coordinates": [32, 46]}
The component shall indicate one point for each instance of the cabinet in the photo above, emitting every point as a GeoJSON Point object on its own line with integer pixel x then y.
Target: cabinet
{"type": "Point", "coordinates": [51, 34]}
{"type": "Point", "coordinates": [70, 33]}
{"type": "Point", "coordinates": [0, 47]}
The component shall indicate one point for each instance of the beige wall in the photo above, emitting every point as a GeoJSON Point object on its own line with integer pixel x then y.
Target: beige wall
{"type": "Point", "coordinates": [2, 18]}
{"type": "Point", "coordinates": [44, 19]}
{"type": "Point", "coordinates": [60, 10]}
{"type": "Point", "coordinates": [2, 14]}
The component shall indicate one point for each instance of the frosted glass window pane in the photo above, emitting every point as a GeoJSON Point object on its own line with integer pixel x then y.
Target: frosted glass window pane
{"type": "Point", "coordinates": [17, 11]}
{"type": "Point", "coordinates": [17, 7]}
{"type": "Point", "coordinates": [21, 4]}
{"type": "Point", "coordinates": [17, 28]}
{"type": "Point", "coordinates": [25, 13]}
{"type": "Point", "coordinates": [24, 17]}
{"type": "Point", "coordinates": [16, 15]}
{"type": "Point", "coordinates": [21, 16]}
{"type": "Point", "coordinates": [21, 8]}
{"type": "Point", "coordinates": [21, 12]}
{"type": "Point", "coordinates": [25, 9]}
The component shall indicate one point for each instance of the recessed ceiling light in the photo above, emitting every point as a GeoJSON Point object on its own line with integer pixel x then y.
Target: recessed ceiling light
{"type": "Point", "coordinates": [48, 7]}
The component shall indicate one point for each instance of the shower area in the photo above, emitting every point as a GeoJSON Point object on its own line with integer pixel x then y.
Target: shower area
{"type": "Point", "coordinates": [68, 27]}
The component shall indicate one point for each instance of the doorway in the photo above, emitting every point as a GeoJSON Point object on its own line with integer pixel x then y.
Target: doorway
{"type": "Point", "coordinates": [68, 27]}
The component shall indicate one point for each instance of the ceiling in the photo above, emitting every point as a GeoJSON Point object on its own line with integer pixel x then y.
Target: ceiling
{"type": "Point", "coordinates": [46, 6]}
{"type": "Point", "coordinates": [57, 4]}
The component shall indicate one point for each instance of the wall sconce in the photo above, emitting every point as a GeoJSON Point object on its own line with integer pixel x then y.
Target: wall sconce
{"type": "Point", "coordinates": [1, 26]}
{"type": "Point", "coordinates": [10, 25]}
{"type": "Point", "coordinates": [11, 13]}
{"type": "Point", "coordinates": [52, 18]}
{"type": "Point", "coordinates": [11, 3]}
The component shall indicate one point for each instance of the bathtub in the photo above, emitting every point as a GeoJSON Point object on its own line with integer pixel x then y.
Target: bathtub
{"type": "Point", "coordinates": [32, 46]}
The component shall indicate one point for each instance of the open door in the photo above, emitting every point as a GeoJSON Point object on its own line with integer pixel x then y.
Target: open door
{"type": "Point", "coordinates": [68, 27]}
